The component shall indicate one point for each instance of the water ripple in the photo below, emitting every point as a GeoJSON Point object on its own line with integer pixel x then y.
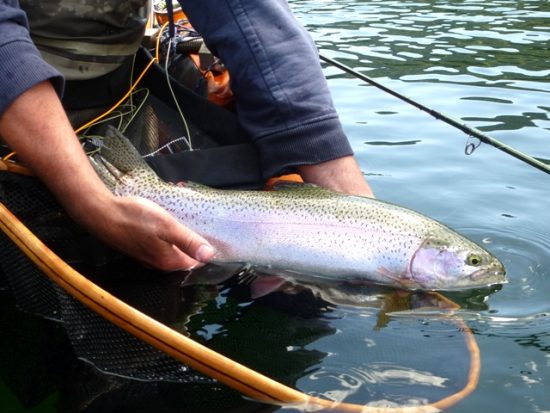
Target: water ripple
{"type": "Point", "coordinates": [525, 256]}
{"type": "Point", "coordinates": [342, 382]}
{"type": "Point", "coordinates": [382, 33]}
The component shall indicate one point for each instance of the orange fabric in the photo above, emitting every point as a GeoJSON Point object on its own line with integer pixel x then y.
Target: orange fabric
{"type": "Point", "coordinates": [219, 91]}
{"type": "Point", "coordinates": [271, 182]}
{"type": "Point", "coordinates": [162, 17]}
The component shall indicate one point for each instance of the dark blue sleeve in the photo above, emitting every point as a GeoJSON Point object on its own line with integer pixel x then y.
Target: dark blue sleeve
{"type": "Point", "coordinates": [21, 65]}
{"type": "Point", "coordinates": [282, 97]}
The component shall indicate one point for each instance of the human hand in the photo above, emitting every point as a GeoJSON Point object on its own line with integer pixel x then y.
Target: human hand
{"type": "Point", "coordinates": [145, 231]}
{"type": "Point", "coordinates": [341, 175]}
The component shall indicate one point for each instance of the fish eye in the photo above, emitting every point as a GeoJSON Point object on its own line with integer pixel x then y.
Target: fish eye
{"type": "Point", "coordinates": [474, 260]}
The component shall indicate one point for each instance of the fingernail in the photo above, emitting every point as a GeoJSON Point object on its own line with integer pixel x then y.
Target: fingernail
{"type": "Point", "coordinates": [205, 253]}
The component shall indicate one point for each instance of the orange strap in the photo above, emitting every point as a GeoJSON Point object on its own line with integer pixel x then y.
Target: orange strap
{"type": "Point", "coordinates": [271, 182]}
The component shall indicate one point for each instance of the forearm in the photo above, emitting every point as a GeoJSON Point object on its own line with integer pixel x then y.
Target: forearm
{"type": "Point", "coordinates": [282, 98]}
{"type": "Point", "coordinates": [34, 124]}
{"type": "Point", "coordinates": [36, 127]}
{"type": "Point", "coordinates": [341, 175]}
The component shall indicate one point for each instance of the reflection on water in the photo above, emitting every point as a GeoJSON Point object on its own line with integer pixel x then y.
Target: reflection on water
{"type": "Point", "coordinates": [350, 380]}
{"type": "Point", "coordinates": [315, 345]}
{"type": "Point", "coordinates": [402, 38]}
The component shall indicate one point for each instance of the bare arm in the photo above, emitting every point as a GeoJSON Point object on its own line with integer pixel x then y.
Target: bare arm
{"type": "Point", "coordinates": [341, 175]}
{"type": "Point", "coordinates": [36, 127]}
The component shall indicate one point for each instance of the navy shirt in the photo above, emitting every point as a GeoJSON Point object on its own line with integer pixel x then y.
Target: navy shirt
{"type": "Point", "coordinates": [21, 65]}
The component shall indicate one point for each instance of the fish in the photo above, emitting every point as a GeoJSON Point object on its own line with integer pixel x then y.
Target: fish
{"type": "Point", "coordinates": [306, 230]}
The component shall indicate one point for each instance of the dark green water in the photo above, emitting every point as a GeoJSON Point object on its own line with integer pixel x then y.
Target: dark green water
{"type": "Point", "coordinates": [484, 62]}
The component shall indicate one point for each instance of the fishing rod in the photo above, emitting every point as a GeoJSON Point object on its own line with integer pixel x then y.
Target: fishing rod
{"type": "Point", "coordinates": [471, 131]}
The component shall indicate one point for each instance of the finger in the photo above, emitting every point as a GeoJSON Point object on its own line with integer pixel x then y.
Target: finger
{"type": "Point", "coordinates": [190, 243]}
{"type": "Point", "coordinates": [166, 257]}
{"type": "Point", "coordinates": [178, 260]}
{"type": "Point", "coordinates": [194, 246]}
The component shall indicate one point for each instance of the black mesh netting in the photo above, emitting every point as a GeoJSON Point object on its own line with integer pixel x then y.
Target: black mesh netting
{"type": "Point", "coordinates": [94, 339]}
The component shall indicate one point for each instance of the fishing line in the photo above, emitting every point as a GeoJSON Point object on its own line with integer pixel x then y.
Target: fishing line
{"type": "Point", "coordinates": [166, 146]}
{"type": "Point", "coordinates": [155, 59]}
{"type": "Point", "coordinates": [167, 58]}
{"type": "Point", "coordinates": [471, 131]}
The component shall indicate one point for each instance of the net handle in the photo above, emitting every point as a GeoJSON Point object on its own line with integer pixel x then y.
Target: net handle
{"type": "Point", "coordinates": [201, 358]}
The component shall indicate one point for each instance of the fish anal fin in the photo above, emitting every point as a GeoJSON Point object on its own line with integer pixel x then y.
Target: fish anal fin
{"type": "Point", "coordinates": [264, 285]}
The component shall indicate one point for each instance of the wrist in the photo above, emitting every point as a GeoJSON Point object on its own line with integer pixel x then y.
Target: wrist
{"type": "Point", "coordinates": [341, 175]}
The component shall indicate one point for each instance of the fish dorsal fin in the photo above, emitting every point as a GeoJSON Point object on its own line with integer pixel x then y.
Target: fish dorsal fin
{"type": "Point", "coordinates": [192, 185]}
{"type": "Point", "coordinates": [281, 185]}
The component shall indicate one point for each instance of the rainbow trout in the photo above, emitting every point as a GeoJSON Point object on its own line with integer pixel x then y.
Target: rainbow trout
{"type": "Point", "coordinates": [308, 230]}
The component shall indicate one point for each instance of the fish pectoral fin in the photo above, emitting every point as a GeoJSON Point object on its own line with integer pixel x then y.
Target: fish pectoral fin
{"type": "Point", "coordinates": [387, 273]}
{"type": "Point", "coordinates": [399, 280]}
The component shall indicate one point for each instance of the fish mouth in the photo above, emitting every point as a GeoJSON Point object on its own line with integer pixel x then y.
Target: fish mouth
{"type": "Point", "coordinates": [493, 275]}
{"type": "Point", "coordinates": [488, 276]}
{"type": "Point", "coordinates": [482, 278]}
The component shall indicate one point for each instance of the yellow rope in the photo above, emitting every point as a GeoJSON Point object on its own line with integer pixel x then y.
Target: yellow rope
{"type": "Point", "coordinates": [134, 85]}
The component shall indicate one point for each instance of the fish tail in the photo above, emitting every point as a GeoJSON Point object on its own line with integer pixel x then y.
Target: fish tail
{"type": "Point", "coordinates": [120, 152]}
{"type": "Point", "coordinates": [116, 158]}
{"type": "Point", "coordinates": [105, 173]}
